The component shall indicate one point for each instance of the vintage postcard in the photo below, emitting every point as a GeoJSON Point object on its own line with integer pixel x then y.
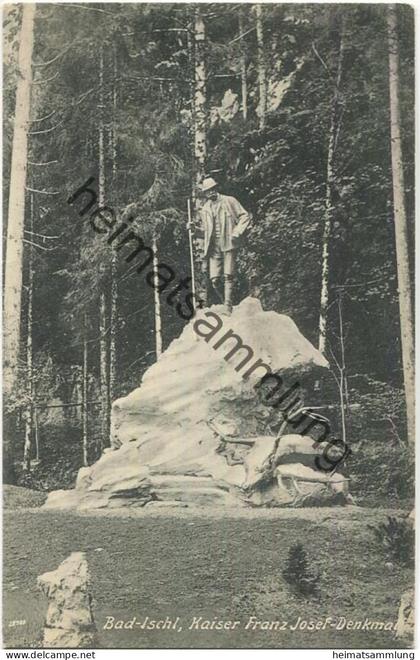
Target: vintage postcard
{"type": "Point", "coordinates": [208, 332]}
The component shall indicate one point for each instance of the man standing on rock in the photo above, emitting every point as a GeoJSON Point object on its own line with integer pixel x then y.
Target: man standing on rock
{"type": "Point", "coordinates": [224, 221]}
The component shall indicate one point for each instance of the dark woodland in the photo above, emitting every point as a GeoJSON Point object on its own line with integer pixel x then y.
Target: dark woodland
{"type": "Point", "coordinates": [293, 105]}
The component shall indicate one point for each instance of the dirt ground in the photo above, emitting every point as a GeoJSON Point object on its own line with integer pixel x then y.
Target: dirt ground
{"type": "Point", "coordinates": [219, 564]}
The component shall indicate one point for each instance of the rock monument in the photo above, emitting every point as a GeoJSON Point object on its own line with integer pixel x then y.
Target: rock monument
{"type": "Point", "coordinates": [164, 444]}
{"type": "Point", "coordinates": [69, 620]}
{"type": "Point", "coordinates": [406, 615]}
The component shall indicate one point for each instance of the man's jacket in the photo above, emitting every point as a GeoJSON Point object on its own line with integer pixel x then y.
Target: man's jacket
{"type": "Point", "coordinates": [234, 221]}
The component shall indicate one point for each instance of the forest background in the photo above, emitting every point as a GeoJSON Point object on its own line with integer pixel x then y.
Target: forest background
{"type": "Point", "coordinates": [289, 108]}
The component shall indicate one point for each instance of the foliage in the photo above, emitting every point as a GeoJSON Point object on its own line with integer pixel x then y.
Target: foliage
{"type": "Point", "coordinates": [298, 573]}
{"type": "Point", "coordinates": [381, 472]}
{"type": "Point", "coordinates": [381, 467]}
{"type": "Point", "coordinates": [378, 406]}
{"type": "Point", "coordinates": [144, 100]}
{"type": "Point", "coordinates": [60, 460]}
{"type": "Point", "coordinates": [396, 538]}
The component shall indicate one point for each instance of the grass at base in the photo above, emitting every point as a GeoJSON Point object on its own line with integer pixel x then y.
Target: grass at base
{"type": "Point", "coordinates": [16, 497]}
{"type": "Point", "coordinates": [228, 568]}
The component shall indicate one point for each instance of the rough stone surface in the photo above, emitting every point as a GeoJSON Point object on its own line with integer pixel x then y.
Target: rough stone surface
{"type": "Point", "coordinates": [163, 446]}
{"type": "Point", "coordinates": [405, 622]}
{"type": "Point", "coordinates": [67, 639]}
{"type": "Point", "coordinates": [69, 620]}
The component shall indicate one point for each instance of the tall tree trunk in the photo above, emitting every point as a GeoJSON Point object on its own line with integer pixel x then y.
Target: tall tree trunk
{"type": "Point", "coordinates": [103, 343]}
{"type": "Point", "coordinates": [401, 230]}
{"type": "Point", "coordinates": [113, 331]}
{"type": "Point", "coordinates": [16, 210]}
{"type": "Point", "coordinates": [29, 368]}
{"type": "Point", "coordinates": [199, 94]}
{"type": "Point", "coordinates": [158, 318]}
{"type": "Point", "coordinates": [37, 455]}
{"type": "Point", "coordinates": [343, 374]}
{"type": "Point", "coordinates": [262, 75]}
{"type": "Point", "coordinates": [103, 371]}
{"type": "Point", "coordinates": [114, 287]}
{"type": "Point", "coordinates": [244, 86]}
{"type": "Point", "coordinates": [85, 393]}
{"type": "Point", "coordinates": [200, 139]}
{"type": "Point", "coordinates": [329, 207]}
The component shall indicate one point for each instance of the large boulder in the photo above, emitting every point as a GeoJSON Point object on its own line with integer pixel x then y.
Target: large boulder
{"type": "Point", "coordinates": [69, 620]}
{"type": "Point", "coordinates": [404, 628]}
{"type": "Point", "coordinates": [164, 446]}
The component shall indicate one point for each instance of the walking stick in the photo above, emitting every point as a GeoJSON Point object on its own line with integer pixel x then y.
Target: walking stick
{"type": "Point", "coordinates": [191, 251]}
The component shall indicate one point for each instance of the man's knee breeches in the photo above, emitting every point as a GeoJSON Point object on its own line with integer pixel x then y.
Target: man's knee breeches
{"type": "Point", "coordinates": [222, 263]}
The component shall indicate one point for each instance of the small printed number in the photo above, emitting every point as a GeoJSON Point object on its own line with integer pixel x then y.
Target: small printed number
{"type": "Point", "coordinates": [17, 622]}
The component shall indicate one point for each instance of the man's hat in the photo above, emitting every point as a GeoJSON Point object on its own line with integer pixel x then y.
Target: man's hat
{"type": "Point", "coordinates": [208, 184]}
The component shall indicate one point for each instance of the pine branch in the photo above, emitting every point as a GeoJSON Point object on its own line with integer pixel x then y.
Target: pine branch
{"type": "Point", "coordinates": [46, 130]}
{"type": "Point", "coordinates": [103, 11]}
{"type": "Point", "coordinates": [46, 80]}
{"type": "Point", "coordinates": [240, 36]}
{"type": "Point", "coordinates": [48, 162]}
{"type": "Point", "coordinates": [41, 247]}
{"type": "Point", "coordinates": [39, 235]}
{"type": "Point", "coordinates": [63, 52]}
{"type": "Point", "coordinates": [43, 192]}
{"type": "Point", "coordinates": [45, 117]}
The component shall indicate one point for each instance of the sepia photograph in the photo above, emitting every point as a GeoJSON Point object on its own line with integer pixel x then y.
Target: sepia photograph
{"type": "Point", "coordinates": [208, 327]}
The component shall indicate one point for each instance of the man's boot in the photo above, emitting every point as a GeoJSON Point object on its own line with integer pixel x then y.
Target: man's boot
{"type": "Point", "coordinates": [228, 293]}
